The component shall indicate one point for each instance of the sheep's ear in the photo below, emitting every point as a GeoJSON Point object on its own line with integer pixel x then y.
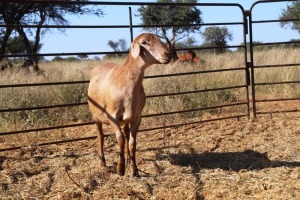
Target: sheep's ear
{"type": "Point", "coordinates": [135, 49]}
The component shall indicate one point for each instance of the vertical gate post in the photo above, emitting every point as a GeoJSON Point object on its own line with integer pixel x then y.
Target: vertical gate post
{"type": "Point", "coordinates": [252, 65]}
{"type": "Point", "coordinates": [130, 25]}
{"type": "Point", "coordinates": [247, 73]}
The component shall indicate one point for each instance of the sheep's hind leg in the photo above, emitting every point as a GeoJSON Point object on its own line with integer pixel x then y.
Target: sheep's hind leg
{"type": "Point", "coordinates": [121, 142]}
{"type": "Point", "coordinates": [100, 141]}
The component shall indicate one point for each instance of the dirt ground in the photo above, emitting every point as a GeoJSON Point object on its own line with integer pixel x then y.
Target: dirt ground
{"type": "Point", "coordinates": [230, 159]}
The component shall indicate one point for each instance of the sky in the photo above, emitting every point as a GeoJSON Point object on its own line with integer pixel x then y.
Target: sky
{"type": "Point", "coordinates": [95, 40]}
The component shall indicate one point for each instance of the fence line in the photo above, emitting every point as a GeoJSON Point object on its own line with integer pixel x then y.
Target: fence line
{"type": "Point", "coordinates": [247, 67]}
{"type": "Point", "coordinates": [255, 67]}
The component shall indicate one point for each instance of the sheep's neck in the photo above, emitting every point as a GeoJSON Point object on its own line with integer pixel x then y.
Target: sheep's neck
{"type": "Point", "coordinates": [133, 70]}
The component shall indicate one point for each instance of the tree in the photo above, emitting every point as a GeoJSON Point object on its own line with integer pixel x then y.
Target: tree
{"type": "Point", "coordinates": [113, 44]}
{"type": "Point", "coordinates": [82, 56]}
{"type": "Point", "coordinates": [70, 59]}
{"type": "Point", "coordinates": [170, 17]}
{"type": "Point", "coordinates": [120, 45]}
{"type": "Point", "coordinates": [117, 46]}
{"type": "Point", "coordinates": [291, 12]}
{"type": "Point", "coordinates": [216, 37]}
{"type": "Point", "coordinates": [35, 14]}
{"type": "Point", "coordinates": [16, 46]}
{"type": "Point", "coordinates": [259, 46]}
{"type": "Point", "coordinates": [97, 58]}
{"type": "Point", "coordinates": [10, 13]}
{"type": "Point", "coordinates": [190, 42]}
{"type": "Point", "coordinates": [57, 58]}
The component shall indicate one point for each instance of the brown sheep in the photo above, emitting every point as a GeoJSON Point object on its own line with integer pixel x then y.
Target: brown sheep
{"type": "Point", "coordinates": [190, 56]}
{"type": "Point", "coordinates": [116, 96]}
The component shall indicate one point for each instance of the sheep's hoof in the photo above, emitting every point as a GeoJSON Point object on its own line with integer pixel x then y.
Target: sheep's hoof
{"type": "Point", "coordinates": [135, 172]}
{"type": "Point", "coordinates": [102, 161]}
{"type": "Point", "coordinates": [121, 170]}
{"type": "Point", "coordinates": [136, 175]}
{"type": "Point", "coordinates": [120, 174]}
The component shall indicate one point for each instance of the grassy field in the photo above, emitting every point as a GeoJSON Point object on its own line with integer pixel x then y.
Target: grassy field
{"type": "Point", "coordinates": [76, 93]}
{"type": "Point", "coordinates": [79, 70]}
{"type": "Point", "coordinates": [243, 159]}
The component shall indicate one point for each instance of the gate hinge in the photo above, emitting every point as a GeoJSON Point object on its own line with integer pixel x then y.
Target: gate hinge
{"type": "Point", "coordinates": [246, 16]}
{"type": "Point", "coordinates": [249, 65]}
{"type": "Point", "coordinates": [248, 76]}
{"type": "Point", "coordinates": [247, 13]}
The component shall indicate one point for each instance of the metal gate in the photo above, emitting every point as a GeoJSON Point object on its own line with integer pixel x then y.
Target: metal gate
{"type": "Point", "coordinates": [274, 70]}
{"type": "Point", "coordinates": [165, 116]}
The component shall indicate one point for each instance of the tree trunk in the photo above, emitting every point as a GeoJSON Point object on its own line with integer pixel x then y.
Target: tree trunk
{"type": "Point", "coordinates": [171, 46]}
{"type": "Point", "coordinates": [4, 42]}
{"type": "Point", "coordinates": [173, 53]}
{"type": "Point", "coordinates": [32, 60]}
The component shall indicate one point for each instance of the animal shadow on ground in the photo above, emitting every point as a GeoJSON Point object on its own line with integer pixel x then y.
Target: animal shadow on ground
{"type": "Point", "coordinates": [234, 161]}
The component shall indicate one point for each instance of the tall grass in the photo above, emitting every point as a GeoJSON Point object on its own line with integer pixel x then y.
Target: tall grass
{"type": "Point", "coordinates": [277, 74]}
{"type": "Point", "coordinates": [23, 97]}
{"type": "Point", "coordinates": [79, 70]}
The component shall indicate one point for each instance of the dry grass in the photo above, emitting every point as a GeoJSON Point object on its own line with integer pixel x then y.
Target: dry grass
{"type": "Point", "coordinates": [232, 159]}
{"type": "Point", "coordinates": [76, 93]}
{"type": "Point", "coordinates": [291, 73]}
{"type": "Point", "coordinates": [217, 160]}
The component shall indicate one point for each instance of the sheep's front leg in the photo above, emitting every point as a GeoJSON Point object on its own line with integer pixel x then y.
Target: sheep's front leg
{"type": "Point", "coordinates": [132, 147]}
{"type": "Point", "coordinates": [127, 135]}
{"type": "Point", "coordinates": [121, 142]}
{"type": "Point", "coordinates": [100, 141]}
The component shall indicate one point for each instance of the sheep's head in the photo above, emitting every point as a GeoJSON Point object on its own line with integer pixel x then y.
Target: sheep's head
{"type": "Point", "coordinates": [150, 49]}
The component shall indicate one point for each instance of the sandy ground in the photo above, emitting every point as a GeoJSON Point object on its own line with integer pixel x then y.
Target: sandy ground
{"type": "Point", "coordinates": [231, 159]}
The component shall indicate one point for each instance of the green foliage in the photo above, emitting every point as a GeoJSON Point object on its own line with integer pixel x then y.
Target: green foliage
{"type": "Point", "coordinates": [57, 58]}
{"type": "Point", "coordinates": [70, 59]}
{"type": "Point", "coordinates": [168, 15]}
{"type": "Point", "coordinates": [82, 56]}
{"type": "Point", "coordinates": [117, 46]}
{"type": "Point", "coordinates": [72, 93]}
{"type": "Point", "coordinates": [291, 12]}
{"type": "Point", "coordinates": [295, 44]}
{"type": "Point", "coordinates": [258, 46]}
{"type": "Point", "coordinates": [190, 42]}
{"type": "Point", "coordinates": [15, 46]}
{"type": "Point", "coordinates": [217, 37]}
{"type": "Point", "coordinates": [34, 14]}
{"type": "Point", "coordinates": [120, 45]}
{"type": "Point", "coordinates": [171, 15]}
{"type": "Point", "coordinates": [97, 58]}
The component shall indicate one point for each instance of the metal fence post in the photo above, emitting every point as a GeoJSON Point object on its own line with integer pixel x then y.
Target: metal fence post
{"type": "Point", "coordinates": [252, 65]}
{"type": "Point", "coordinates": [130, 24]}
{"type": "Point", "coordinates": [247, 74]}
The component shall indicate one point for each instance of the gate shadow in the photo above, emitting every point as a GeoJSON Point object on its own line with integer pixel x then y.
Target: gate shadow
{"type": "Point", "coordinates": [234, 161]}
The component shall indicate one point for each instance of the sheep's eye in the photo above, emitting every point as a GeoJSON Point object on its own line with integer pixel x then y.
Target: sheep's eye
{"type": "Point", "coordinates": [144, 42]}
